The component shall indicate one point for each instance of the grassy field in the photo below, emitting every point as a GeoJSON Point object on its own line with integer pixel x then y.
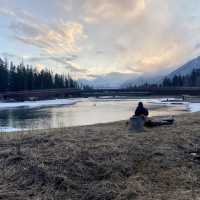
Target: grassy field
{"type": "Point", "coordinates": [103, 162]}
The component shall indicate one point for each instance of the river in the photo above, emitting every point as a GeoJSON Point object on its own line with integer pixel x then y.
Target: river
{"type": "Point", "coordinates": [77, 112]}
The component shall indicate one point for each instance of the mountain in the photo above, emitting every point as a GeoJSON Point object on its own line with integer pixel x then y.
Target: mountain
{"type": "Point", "coordinates": [111, 80]}
{"type": "Point", "coordinates": [123, 80]}
{"type": "Point", "coordinates": [150, 79]}
{"type": "Point", "coordinates": [187, 68]}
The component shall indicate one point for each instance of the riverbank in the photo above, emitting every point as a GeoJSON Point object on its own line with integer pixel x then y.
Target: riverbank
{"type": "Point", "coordinates": [103, 161]}
{"type": "Point", "coordinates": [71, 112]}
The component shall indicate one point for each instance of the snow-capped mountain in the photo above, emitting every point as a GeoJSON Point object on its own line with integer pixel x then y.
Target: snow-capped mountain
{"type": "Point", "coordinates": [187, 68]}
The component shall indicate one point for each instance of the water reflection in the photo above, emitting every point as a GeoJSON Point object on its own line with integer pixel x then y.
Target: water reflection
{"type": "Point", "coordinates": [89, 111]}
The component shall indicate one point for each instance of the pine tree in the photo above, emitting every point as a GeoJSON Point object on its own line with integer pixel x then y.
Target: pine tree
{"type": "Point", "coordinates": [21, 77]}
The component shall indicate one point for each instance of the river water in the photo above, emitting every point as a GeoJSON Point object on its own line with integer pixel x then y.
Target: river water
{"type": "Point", "coordinates": [76, 112]}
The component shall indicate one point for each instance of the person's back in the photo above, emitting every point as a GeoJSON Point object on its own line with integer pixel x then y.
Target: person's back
{"type": "Point", "coordinates": [137, 122]}
{"type": "Point", "coordinates": [141, 110]}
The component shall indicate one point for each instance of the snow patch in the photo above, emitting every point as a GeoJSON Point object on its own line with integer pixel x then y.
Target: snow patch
{"type": "Point", "coordinates": [35, 104]}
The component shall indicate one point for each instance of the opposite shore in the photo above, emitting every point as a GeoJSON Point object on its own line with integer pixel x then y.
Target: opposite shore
{"type": "Point", "coordinates": [103, 161]}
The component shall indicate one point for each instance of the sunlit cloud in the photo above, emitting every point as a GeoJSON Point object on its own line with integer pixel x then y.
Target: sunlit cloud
{"type": "Point", "coordinates": [40, 66]}
{"type": "Point", "coordinates": [98, 10]}
{"type": "Point", "coordinates": [56, 42]}
{"type": "Point", "coordinates": [93, 38]}
{"type": "Point", "coordinates": [56, 39]}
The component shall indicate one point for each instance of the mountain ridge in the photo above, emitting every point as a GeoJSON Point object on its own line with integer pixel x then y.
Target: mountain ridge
{"type": "Point", "coordinates": [124, 80]}
{"type": "Point", "coordinates": [186, 68]}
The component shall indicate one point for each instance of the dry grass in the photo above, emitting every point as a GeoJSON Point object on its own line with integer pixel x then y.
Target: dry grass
{"type": "Point", "coordinates": [103, 162]}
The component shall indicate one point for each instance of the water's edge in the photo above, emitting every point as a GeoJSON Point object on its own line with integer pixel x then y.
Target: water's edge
{"type": "Point", "coordinates": [60, 113]}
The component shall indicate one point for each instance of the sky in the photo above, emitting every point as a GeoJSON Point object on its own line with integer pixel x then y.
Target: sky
{"type": "Point", "coordinates": [94, 38]}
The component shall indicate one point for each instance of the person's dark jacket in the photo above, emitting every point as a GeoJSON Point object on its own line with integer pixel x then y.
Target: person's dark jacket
{"type": "Point", "coordinates": [140, 110]}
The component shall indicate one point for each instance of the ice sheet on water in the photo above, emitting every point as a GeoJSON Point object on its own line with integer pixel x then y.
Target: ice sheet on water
{"type": "Point", "coordinates": [194, 107]}
{"type": "Point", "coordinates": [8, 129]}
{"type": "Point", "coordinates": [35, 104]}
{"type": "Point", "coordinates": [169, 101]}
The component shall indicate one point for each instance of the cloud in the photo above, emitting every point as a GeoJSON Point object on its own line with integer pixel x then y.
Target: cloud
{"type": "Point", "coordinates": [197, 46]}
{"type": "Point", "coordinates": [93, 76]}
{"type": "Point", "coordinates": [114, 79]}
{"type": "Point", "coordinates": [61, 59]}
{"type": "Point", "coordinates": [7, 12]}
{"type": "Point", "coordinates": [76, 68]}
{"type": "Point", "coordinates": [97, 10]}
{"type": "Point", "coordinates": [65, 4]}
{"type": "Point", "coordinates": [130, 69]}
{"type": "Point", "coordinates": [161, 38]}
{"type": "Point", "coordinates": [66, 61]}
{"type": "Point", "coordinates": [99, 52]}
{"type": "Point", "coordinates": [57, 42]}
{"type": "Point", "coordinates": [10, 55]}
{"type": "Point", "coordinates": [40, 66]}
{"type": "Point", "coordinates": [73, 67]}
{"type": "Point", "coordinates": [105, 36]}
{"type": "Point", "coordinates": [52, 39]}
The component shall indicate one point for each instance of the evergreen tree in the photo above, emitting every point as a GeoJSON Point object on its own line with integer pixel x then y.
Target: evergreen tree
{"type": "Point", "coordinates": [3, 75]}
{"type": "Point", "coordinates": [166, 82]}
{"type": "Point", "coordinates": [21, 77]}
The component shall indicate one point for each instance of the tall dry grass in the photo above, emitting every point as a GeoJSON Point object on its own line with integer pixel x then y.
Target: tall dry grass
{"type": "Point", "coordinates": [103, 162]}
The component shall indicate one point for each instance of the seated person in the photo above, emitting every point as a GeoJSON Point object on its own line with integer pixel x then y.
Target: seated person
{"type": "Point", "coordinates": [141, 111]}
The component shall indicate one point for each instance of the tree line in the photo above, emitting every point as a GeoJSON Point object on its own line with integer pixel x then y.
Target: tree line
{"type": "Point", "coordinates": [189, 80]}
{"type": "Point", "coordinates": [20, 77]}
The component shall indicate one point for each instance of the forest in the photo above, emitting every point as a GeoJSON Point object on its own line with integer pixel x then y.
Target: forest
{"type": "Point", "coordinates": [20, 77]}
{"type": "Point", "coordinates": [190, 80]}
{"type": "Point", "coordinates": [25, 77]}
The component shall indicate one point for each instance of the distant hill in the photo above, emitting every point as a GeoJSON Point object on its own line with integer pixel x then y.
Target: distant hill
{"type": "Point", "coordinates": [187, 68]}
{"type": "Point", "coordinates": [142, 80]}
{"type": "Point", "coordinates": [111, 80]}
